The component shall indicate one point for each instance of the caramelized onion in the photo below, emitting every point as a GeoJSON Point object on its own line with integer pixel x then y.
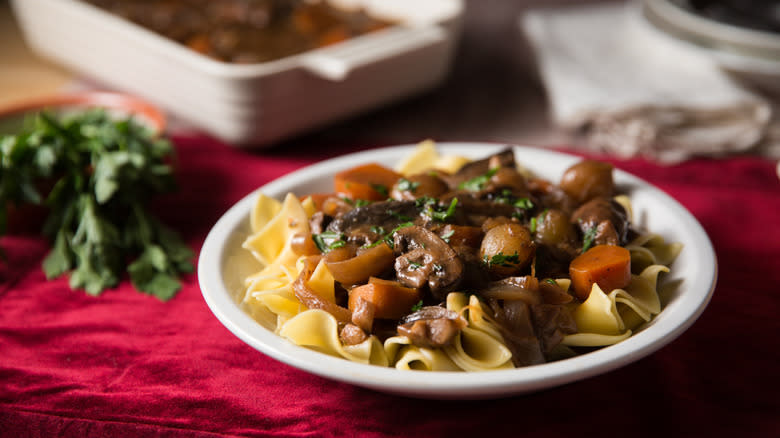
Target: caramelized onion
{"type": "Point", "coordinates": [371, 262]}
{"type": "Point", "coordinates": [311, 300]}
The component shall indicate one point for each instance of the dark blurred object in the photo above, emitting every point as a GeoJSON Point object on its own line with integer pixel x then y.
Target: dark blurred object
{"type": "Point", "coordinates": [753, 14]}
{"type": "Point", "coordinates": [245, 31]}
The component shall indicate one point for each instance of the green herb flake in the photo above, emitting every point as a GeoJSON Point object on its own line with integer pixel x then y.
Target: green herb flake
{"type": "Point", "coordinates": [405, 185]}
{"type": "Point", "coordinates": [413, 266]}
{"type": "Point", "coordinates": [328, 241]}
{"type": "Point", "coordinates": [501, 259]}
{"type": "Point", "coordinates": [417, 307]}
{"type": "Point", "coordinates": [435, 212]}
{"type": "Point", "coordinates": [478, 182]}
{"type": "Point", "coordinates": [447, 235]}
{"type": "Point", "coordinates": [588, 237]}
{"type": "Point", "coordinates": [381, 189]}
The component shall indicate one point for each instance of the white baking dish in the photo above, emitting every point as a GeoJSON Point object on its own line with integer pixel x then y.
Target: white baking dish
{"type": "Point", "coordinates": [257, 104]}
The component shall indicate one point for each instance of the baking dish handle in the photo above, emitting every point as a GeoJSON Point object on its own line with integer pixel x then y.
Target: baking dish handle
{"type": "Point", "coordinates": [335, 63]}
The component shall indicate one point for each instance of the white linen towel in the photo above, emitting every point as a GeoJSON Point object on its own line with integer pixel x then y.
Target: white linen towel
{"type": "Point", "coordinates": [634, 91]}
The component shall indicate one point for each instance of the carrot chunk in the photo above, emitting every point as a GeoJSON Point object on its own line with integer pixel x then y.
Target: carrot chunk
{"type": "Point", "coordinates": [392, 300]}
{"type": "Point", "coordinates": [609, 266]}
{"type": "Point", "coordinates": [371, 182]}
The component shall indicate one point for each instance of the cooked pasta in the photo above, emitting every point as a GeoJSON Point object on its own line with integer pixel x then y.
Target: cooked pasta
{"type": "Point", "coordinates": [469, 266]}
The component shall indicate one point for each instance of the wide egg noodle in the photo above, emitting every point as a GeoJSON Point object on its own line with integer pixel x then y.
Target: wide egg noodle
{"type": "Point", "coordinates": [272, 243]}
{"type": "Point", "coordinates": [318, 330]}
{"type": "Point", "coordinates": [403, 355]}
{"type": "Point", "coordinates": [651, 249]}
{"type": "Point", "coordinates": [598, 314]}
{"type": "Point", "coordinates": [475, 350]}
{"type": "Point", "coordinates": [425, 157]}
{"type": "Point", "coordinates": [479, 346]}
{"type": "Point", "coordinates": [269, 293]}
{"type": "Point", "coordinates": [470, 307]}
{"type": "Point", "coordinates": [605, 319]}
{"type": "Point", "coordinates": [264, 210]}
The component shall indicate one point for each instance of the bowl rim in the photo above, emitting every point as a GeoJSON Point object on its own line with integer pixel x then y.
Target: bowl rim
{"type": "Point", "coordinates": [449, 385]}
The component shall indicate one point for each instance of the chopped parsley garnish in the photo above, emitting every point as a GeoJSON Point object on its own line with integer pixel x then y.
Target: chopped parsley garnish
{"type": "Point", "coordinates": [432, 209]}
{"type": "Point", "coordinates": [446, 236]}
{"type": "Point", "coordinates": [381, 189]}
{"type": "Point", "coordinates": [399, 216]}
{"type": "Point", "coordinates": [414, 265]}
{"type": "Point", "coordinates": [328, 240]}
{"type": "Point", "coordinates": [377, 229]}
{"type": "Point", "coordinates": [502, 259]}
{"type": "Point", "coordinates": [532, 225]}
{"type": "Point", "coordinates": [387, 238]}
{"type": "Point", "coordinates": [506, 197]}
{"type": "Point", "coordinates": [405, 185]}
{"type": "Point", "coordinates": [523, 203]}
{"type": "Point", "coordinates": [478, 182]}
{"type": "Point", "coordinates": [588, 238]}
{"type": "Point", "coordinates": [551, 281]}
{"type": "Point", "coordinates": [356, 202]}
{"type": "Point", "coordinates": [417, 307]}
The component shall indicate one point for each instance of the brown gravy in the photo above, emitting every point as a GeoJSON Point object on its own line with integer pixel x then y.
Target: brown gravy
{"type": "Point", "coordinates": [245, 31]}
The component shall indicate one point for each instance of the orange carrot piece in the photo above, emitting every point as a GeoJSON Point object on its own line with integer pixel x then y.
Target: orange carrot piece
{"type": "Point", "coordinates": [609, 266]}
{"type": "Point", "coordinates": [392, 300]}
{"type": "Point", "coordinates": [371, 182]}
{"type": "Point", "coordinates": [319, 198]}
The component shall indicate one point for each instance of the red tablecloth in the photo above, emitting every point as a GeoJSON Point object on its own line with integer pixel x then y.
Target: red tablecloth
{"type": "Point", "coordinates": [126, 364]}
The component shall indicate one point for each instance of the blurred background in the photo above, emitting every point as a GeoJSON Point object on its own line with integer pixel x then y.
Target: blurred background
{"type": "Point", "coordinates": [495, 91]}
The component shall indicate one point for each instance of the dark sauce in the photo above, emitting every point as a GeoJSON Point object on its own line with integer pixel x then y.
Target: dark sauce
{"type": "Point", "coordinates": [245, 31]}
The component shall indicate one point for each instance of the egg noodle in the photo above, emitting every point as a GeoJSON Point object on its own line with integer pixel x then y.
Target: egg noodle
{"type": "Point", "coordinates": [606, 317]}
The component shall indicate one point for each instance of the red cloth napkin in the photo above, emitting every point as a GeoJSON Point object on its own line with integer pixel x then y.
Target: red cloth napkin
{"type": "Point", "coordinates": [126, 364]}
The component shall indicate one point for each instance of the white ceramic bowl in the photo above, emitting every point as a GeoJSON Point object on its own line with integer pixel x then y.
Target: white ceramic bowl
{"type": "Point", "coordinates": [223, 264]}
{"type": "Point", "coordinates": [753, 55]}
{"type": "Point", "coordinates": [257, 104]}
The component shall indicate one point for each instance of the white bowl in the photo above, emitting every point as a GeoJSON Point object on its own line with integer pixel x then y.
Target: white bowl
{"type": "Point", "coordinates": [223, 264]}
{"type": "Point", "coordinates": [257, 104]}
{"type": "Point", "coordinates": [751, 54]}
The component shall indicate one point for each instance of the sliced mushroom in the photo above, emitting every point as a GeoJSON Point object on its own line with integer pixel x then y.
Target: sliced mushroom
{"type": "Point", "coordinates": [604, 219]}
{"type": "Point", "coordinates": [432, 327]}
{"type": "Point", "coordinates": [351, 334]}
{"type": "Point", "coordinates": [372, 221]}
{"type": "Point", "coordinates": [424, 257]}
{"type": "Point", "coordinates": [474, 169]}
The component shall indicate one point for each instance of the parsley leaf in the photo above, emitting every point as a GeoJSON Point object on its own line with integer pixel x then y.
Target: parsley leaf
{"type": "Point", "coordinates": [102, 173]}
{"type": "Point", "coordinates": [478, 182]}
{"type": "Point", "coordinates": [432, 209]}
{"type": "Point", "coordinates": [405, 185]}
{"type": "Point", "coordinates": [381, 189]}
{"type": "Point", "coordinates": [501, 259]}
{"type": "Point", "coordinates": [328, 241]}
{"type": "Point", "coordinates": [588, 237]}
{"type": "Point", "coordinates": [417, 307]}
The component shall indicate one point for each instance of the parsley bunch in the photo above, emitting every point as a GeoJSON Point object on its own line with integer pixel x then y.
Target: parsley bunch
{"type": "Point", "coordinates": [96, 176]}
